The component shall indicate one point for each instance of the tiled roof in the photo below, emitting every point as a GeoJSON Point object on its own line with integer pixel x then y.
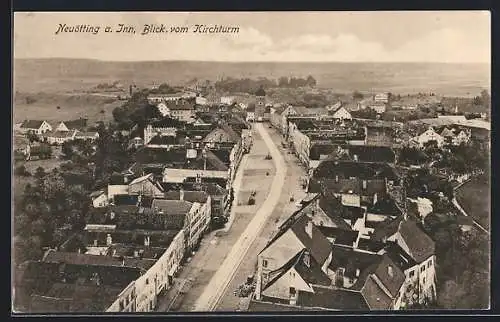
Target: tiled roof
{"type": "Point", "coordinates": [99, 260]}
{"type": "Point", "coordinates": [340, 236]}
{"type": "Point", "coordinates": [372, 153]}
{"type": "Point", "coordinates": [318, 245]}
{"type": "Point", "coordinates": [191, 196]}
{"type": "Point", "coordinates": [78, 124]}
{"type": "Point", "coordinates": [374, 296]}
{"type": "Point", "coordinates": [173, 207]}
{"type": "Point", "coordinates": [391, 276]}
{"type": "Point", "coordinates": [421, 246]}
{"type": "Point", "coordinates": [386, 229]}
{"type": "Point", "coordinates": [31, 124]}
{"type": "Point", "coordinates": [385, 206]}
{"type": "Point", "coordinates": [332, 299]}
{"type": "Point", "coordinates": [346, 169]}
{"type": "Point", "coordinates": [163, 140]}
{"type": "Point", "coordinates": [351, 260]}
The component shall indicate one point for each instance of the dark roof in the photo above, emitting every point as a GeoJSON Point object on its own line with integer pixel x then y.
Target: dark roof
{"type": "Point", "coordinates": [390, 275]}
{"type": "Point", "coordinates": [421, 246]}
{"type": "Point", "coordinates": [340, 236]}
{"type": "Point", "coordinates": [125, 200]}
{"type": "Point", "coordinates": [168, 122]}
{"type": "Point", "coordinates": [65, 298]}
{"type": "Point", "coordinates": [78, 124]}
{"type": "Point", "coordinates": [163, 140]}
{"type": "Point", "coordinates": [333, 299]}
{"type": "Point", "coordinates": [318, 245]}
{"type": "Point", "coordinates": [385, 206]}
{"type": "Point", "coordinates": [348, 169]}
{"type": "Point", "coordinates": [399, 256]}
{"type": "Point", "coordinates": [372, 153]}
{"type": "Point", "coordinates": [173, 207]}
{"type": "Point", "coordinates": [385, 229]}
{"type": "Point", "coordinates": [53, 256]}
{"type": "Point", "coordinates": [374, 296]}
{"type": "Point", "coordinates": [31, 124]}
{"type": "Point", "coordinates": [351, 260]}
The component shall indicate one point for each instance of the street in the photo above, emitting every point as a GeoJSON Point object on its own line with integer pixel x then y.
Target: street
{"type": "Point", "coordinates": [218, 284]}
{"type": "Point", "coordinates": [254, 174]}
{"type": "Point", "coordinates": [284, 208]}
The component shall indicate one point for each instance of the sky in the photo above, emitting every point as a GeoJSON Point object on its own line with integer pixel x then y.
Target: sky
{"type": "Point", "coordinates": [398, 36]}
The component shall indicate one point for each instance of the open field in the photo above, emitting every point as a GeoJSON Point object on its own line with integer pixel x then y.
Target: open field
{"type": "Point", "coordinates": [49, 75]}
{"type": "Point", "coordinates": [474, 197]}
{"type": "Point", "coordinates": [43, 106]}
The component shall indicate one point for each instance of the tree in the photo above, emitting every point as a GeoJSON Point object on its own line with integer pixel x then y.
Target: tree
{"type": "Point", "coordinates": [40, 173]}
{"type": "Point", "coordinates": [283, 82]}
{"type": "Point", "coordinates": [310, 81]}
{"type": "Point", "coordinates": [357, 95]}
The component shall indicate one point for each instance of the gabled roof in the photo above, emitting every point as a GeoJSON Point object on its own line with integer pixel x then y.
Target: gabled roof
{"type": "Point", "coordinates": [95, 194]}
{"type": "Point", "coordinates": [421, 246]}
{"type": "Point", "coordinates": [385, 206]}
{"type": "Point", "coordinates": [447, 133]}
{"type": "Point", "coordinates": [191, 196]}
{"type": "Point", "coordinates": [141, 179]}
{"type": "Point", "coordinates": [31, 124]}
{"type": "Point", "coordinates": [311, 274]}
{"type": "Point", "coordinates": [318, 245]}
{"type": "Point", "coordinates": [340, 236]}
{"type": "Point", "coordinates": [391, 276]}
{"type": "Point", "coordinates": [374, 296]}
{"type": "Point", "coordinates": [78, 124]}
{"type": "Point", "coordinates": [386, 229]}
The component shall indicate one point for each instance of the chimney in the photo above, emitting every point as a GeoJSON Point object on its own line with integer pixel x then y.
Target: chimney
{"type": "Point", "coordinates": [114, 252]}
{"type": "Point", "coordinates": [79, 251]}
{"type": "Point", "coordinates": [336, 178]}
{"type": "Point", "coordinates": [146, 241]}
{"type": "Point", "coordinates": [355, 157]}
{"type": "Point", "coordinates": [389, 271]}
{"type": "Point", "coordinates": [375, 198]}
{"type": "Point", "coordinates": [309, 228]}
{"type": "Point", "coordinates": [181, 194]}
{"type": "Point", "coordinates": [95, 242]}
{"type": "Point", "coordinates": [112, 215]}
{"type": "Point", "coordinates": [307, 258]}
{"type": "Point", "coordinates": [109, 240]}
{"type": "Point", "coordinates": [136, 253]}
{"type": "Point", "coordinates": [364, 184]}
{"type": "Point", "coordinates": [357, 272]}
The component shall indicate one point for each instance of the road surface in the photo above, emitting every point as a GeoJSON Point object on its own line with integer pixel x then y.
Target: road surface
{"type": "Point", "coordinates": [217, 286]}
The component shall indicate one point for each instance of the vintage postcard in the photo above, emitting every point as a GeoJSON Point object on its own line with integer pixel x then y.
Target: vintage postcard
{"type": "Point", "coordinates": [251, 161]}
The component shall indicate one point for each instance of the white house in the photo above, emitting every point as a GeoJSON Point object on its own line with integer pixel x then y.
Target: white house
{"type": "Point", "coordinates": [99, 199]}
{"type": "Point", "coordinates": [342, 113]}
{"type": "Point", "coordinates": [35, 126]}
{"type": "Point", "coordinates": [201, 100]}
{"type": "Point", "coordinates": [379, 108]}
{"type": "Point", "coordinates": [381, 98]}
{"type": "Point", "coordinates": [429, 135]}
{"type": "Point", "coordinates": [163, 109]}
{"type": "Point", "coordinates": [228, 100]}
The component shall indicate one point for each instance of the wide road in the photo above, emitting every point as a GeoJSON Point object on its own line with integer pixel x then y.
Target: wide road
{"type": "Point", "coordinates": [217, 286]}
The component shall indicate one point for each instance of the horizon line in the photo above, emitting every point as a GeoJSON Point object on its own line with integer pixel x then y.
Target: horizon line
{"type": "Point", "coordinates": [247, 61]}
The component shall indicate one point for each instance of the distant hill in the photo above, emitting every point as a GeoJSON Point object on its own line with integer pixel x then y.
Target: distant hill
{"type": "Point", "coordinates": [60, 74]}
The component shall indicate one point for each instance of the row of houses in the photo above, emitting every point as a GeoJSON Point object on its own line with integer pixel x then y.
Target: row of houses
{"type": "Point", "coordinates": [58, 134]}
{"type": "Point", "coordinates": [350, 246]}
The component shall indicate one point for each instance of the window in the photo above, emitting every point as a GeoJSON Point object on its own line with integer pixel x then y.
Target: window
{"type": "Point", "coordinates": [422, 269]}
{"type": "Point", "coordinates": [412, 273]}
{"type": "Point", "coordinates": [292, 274]}
{"type": "Point", "coordinates": [292, 291]}
{"type": "Point", "coordinates": [264, 263]}
{"type": "Point", "coordinates": [147, 281]}
{"type": "Point", "coordinates": [423, 280]}
{"type": "Point", "coordinates": [429, 264]}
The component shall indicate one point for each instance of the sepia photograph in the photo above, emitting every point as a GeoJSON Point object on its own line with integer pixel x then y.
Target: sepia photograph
{"type": "Point", "coordinates": [299, 161]}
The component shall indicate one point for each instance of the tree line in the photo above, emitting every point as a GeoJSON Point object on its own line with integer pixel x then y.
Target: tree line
{"type": "Point", "coordinates": [247, 85]}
